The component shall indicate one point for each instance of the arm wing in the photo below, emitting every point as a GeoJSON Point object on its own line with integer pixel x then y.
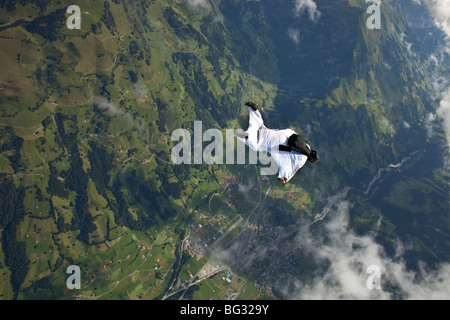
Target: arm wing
{"type": "Point", "coordinates": [288, 162]}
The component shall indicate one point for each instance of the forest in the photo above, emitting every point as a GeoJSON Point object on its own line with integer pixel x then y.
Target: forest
{"type": "Point", "coordinates": [11, 213]}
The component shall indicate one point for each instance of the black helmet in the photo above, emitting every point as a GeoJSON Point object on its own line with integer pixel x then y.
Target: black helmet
{"type": "Point", "coordinates": [313, 156]}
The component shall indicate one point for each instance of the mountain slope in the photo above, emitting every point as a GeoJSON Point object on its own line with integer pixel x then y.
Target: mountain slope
{"type": "Point", "coordinates": [87, 117]}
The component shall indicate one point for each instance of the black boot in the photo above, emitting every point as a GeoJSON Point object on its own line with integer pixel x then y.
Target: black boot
{"type": "Point", "coordinates": [252, 105]}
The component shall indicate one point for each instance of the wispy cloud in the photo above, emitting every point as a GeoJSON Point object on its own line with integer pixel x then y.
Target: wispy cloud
{"type": "Point", "coordinates": [107, 106]}
{"type": "Point", "coordinates": [440, 12]}
{"type": "Point", "coordinates": [140, 89]}
{"type": "Point", "coordinates": [294, 34]}
{"type": "Point", "coordinates": [443, 112]}
{"type": "Point", "coordinates": [307, 6]}
{"type": "Point", "coordinates": [204, 7]}
{"type": "Point", "coordinates": [337, 260]}
{"type": "Point", "coordinates": [377, 2]}
{"type": "Point", "coordinates": [204, 4]}
{"type": "Point", "coordinates": [407, 44]}
{"type": "Point", "coordinates": [348, 257]}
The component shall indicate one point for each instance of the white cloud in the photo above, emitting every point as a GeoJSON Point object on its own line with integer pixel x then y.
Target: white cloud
{"type": "Point", "coordinates": [197, 3]}
{"type": "Point", "coordinates": [430, 118]}
{"type": "Point", "coordinates": [406, 124]}
{"type": "Point", "coordinates": [200, 4]}
{"type": "Point", "coordinates": [294, 34]}
{"type": "Point", "coordinates": [110, 108]}
{"type": "Point", "coordinates": [434, 58]}
{"type": "Point", "coordinates": [377, 2]}
{"type": "Point", "coordinates": [440, 10]}
{"type": "Point", "coordinates": [443, 112]}
{"type": "Point", "coordinates": [307, 5]}
{"type": "Point", "coordinates": [348, 257]}
{"type": "Point", "coordinates": [204, 8]}
{"type": "Point", "coordinates": [140, 89]}
{"type": "Point", "coordinates": [407, 44]}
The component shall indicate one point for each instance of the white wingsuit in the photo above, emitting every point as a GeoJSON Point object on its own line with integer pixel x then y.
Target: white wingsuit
{"type": "Point", "coordinates": [260, 138]}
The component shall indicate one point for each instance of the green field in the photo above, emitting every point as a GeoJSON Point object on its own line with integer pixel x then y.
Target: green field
{"type": "Point", "coordinates": [86, 118]}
